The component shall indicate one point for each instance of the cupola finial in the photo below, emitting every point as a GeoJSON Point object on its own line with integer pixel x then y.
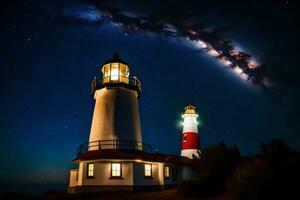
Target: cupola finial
{"type": "Point", "coordinates": [116, 56]}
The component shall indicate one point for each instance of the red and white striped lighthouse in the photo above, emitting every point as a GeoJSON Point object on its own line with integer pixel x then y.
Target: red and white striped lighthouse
{"type": "Point", "coordinates": [190, 146]}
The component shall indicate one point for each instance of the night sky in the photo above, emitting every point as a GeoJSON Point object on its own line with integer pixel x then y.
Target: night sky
{"type": "Point", "coordinates": [51, 50]}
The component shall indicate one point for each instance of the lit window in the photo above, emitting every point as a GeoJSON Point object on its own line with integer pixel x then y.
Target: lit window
{"type": "Point", "coordinates": [148, 170]}
{"type": "Point", "coordinates": [90, 170]}
{"type": "Point", "coordinates": [167, 171]}
{"type": "Point", "coordinates": [184, 137]}
{"type": "Point", "coordinates": [116, 169]}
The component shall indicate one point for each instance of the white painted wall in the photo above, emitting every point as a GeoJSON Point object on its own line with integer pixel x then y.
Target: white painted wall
{"type": "Point", "coordinates": [190, 123]}
{"type": "Point", "coordinates": [189, 153]}
{"type": "Point", "coordinates": [80, 173]}
{"type": "Point", "coordinates": [102, 174]}
{"type": "Point", "coordinates": [116, 115]}
{"type": "Point", "coordinates": [161, 173]}
{"type": "Point", "coordinates": [132, 174]}
{"type": "Point", "coordinates": [73, 177]}
{"type": "Point", "coordinates": [139, 178]}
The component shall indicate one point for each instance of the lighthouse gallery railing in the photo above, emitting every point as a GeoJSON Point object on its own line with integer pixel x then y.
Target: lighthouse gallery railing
{"type": "Point", "coordinates": [126, 81]}
{"type": "Point", "coordinates": [113, 144]}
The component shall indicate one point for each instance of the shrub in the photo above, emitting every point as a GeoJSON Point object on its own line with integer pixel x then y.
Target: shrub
{"type": "Point", "coordinates": [274, 174]}
{"type": "Point", "coordinates": [215, 165]}
{"type": "Point", "coordinates": [251, 180]}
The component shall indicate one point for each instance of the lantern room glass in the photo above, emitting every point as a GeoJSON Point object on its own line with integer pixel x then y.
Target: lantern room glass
{"type": "Point", "coordinates": [190, 110]}
{"type": "Point", "coordinates": [115, 73]}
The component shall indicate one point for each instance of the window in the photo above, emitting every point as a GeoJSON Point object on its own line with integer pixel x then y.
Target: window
{"type": "Point", "coordinates": [124, 73]}
{"type": "Point", "coordinates": [167, 171]}
{"type": "Point", "coordinates": [90, 170]}
{"type": "Point", "coordinates": [148, 170]}
{"type": "Point", "coordinates": [106, 70]}
{"type": "Point", "coordinates": [124, 70]}
{"type": "Point", "coordinates": [174, 174]}
{"type": "Point", "coordinates": [114, 72]}
{"type": "Point", "coordinates": [116, 170]}
{"type": "Point", "coordinates": [184, 137]}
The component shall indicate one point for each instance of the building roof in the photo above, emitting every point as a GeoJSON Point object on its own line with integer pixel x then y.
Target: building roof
{"type": "Point", "coordinates": [115, 59]}
{"type": "Point", "coordinates": [133, 154]}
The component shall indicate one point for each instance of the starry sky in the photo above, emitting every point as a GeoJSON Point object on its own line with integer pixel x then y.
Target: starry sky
{"type": "Point", "coordinates": [51, 50]}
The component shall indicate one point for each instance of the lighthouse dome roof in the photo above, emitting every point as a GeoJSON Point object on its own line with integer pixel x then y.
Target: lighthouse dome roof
{"type": "Point", "coordinates": [115, 59]}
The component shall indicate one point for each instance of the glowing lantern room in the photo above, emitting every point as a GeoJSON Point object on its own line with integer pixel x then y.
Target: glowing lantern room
{"type": "Point", "coordinates": [115, 70]}
{"type": "Point", "coordinates": [190, 110]}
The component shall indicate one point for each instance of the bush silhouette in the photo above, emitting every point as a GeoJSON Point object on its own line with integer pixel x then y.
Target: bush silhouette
{"type": "Point", "coordinates": [274, 174]}
{"type": "Point", "coordinates": [251, 180]}
{"type": "Point", "coordinates": [215, 165]}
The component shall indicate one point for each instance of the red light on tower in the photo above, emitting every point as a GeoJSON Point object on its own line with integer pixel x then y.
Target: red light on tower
{"type": "Point", "coordinates": [190, 146]}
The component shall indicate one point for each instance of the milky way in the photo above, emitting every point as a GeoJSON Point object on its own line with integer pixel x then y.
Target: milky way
{"type": "Point", "coordinates": [209, 41]}
{"type": "Point", "coordinates": [264, 72]}
{"type": "Point", "coordinates": [204, 38]}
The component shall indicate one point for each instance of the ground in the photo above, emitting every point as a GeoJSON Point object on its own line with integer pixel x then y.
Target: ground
{"type": "Point", "coordinates": [170, 194]}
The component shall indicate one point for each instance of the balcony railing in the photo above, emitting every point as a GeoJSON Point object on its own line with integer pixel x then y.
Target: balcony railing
{"type": "Point", "coordinates": [113, 144]}
{"type": "Point", "coordinates": [130, 82]}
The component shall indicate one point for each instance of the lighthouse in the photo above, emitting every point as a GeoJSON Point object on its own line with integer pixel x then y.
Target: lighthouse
{"type": "Point", "coordinates": [190, 146]}
{"type": "Point", "coordinates": [116, 112]}
{"type": "Point", "coordinates": [115, 157]}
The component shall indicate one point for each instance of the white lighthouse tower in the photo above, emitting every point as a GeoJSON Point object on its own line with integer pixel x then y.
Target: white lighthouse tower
{"type": "Point", "coordinates": [116, 113]}
{"type": "Point", "coordinates": [190, 146]}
